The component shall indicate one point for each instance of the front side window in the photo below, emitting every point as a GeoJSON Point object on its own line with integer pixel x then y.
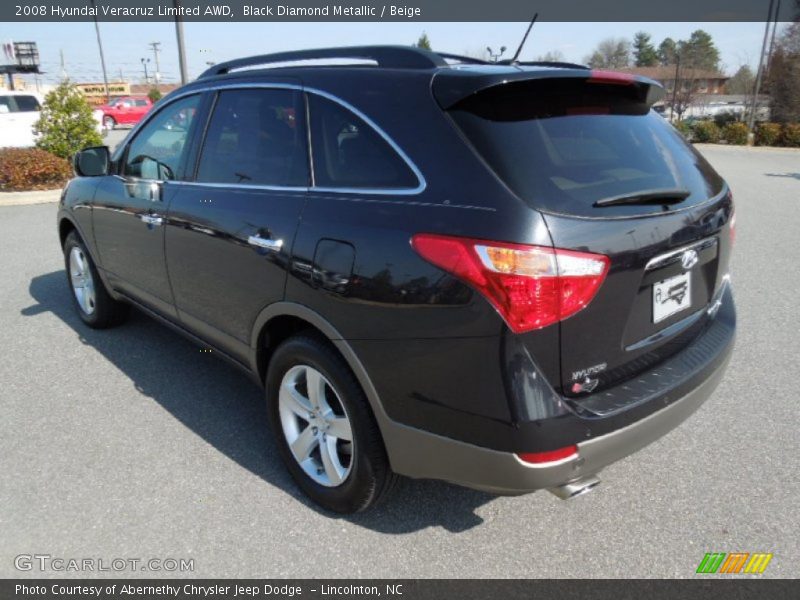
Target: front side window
{"type": "Point", "coordinates": [256, 137]}
{"type": "Point", "coordinates": [348, 153]}
{"type": "Point", "coordinates": [156, 151]}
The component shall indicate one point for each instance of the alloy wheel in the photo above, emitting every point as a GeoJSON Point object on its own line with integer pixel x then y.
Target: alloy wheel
{"type": "Point", "coordinates": [80, 276]}
{"type": "Point", "coordinates": [316, 426]}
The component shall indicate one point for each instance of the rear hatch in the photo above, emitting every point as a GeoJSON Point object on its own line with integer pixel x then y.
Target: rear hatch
{"type": "Point", "coordinates": [611, 177]}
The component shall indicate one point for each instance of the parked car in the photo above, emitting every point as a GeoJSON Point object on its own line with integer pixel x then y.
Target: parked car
{"type": "Point", "coordinates": [502, 276]}
{"type": "Point", "coordinates": [123, 110]}
{"type": "Point", "coordinates": [18, 113]}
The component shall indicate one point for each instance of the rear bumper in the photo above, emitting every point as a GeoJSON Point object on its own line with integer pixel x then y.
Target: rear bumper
{"type": "Point", "coordinates": [420, 454]}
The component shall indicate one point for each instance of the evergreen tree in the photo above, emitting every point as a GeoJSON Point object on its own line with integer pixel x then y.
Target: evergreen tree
{"type": "Point", "coordinates": [644, 53]}
{"type": "Point", "coordinates": [423, 42]}
{"type": "Point", "coordinates": [667, 51]}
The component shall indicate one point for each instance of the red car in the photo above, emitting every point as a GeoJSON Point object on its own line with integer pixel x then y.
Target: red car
{"type": "Point", "coordinates": [124, 110]}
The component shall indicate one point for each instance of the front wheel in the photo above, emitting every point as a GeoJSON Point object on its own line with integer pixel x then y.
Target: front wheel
{"type": "Point", "coordinates": [94, 304]}
{"type": "Point", "coordinates": [324, 427]}
{"type": "Point", "coordinates": [109, 123]}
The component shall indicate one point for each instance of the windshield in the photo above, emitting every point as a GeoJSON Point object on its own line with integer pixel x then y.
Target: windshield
{"type": "Point", "coordinates": [565, 147]}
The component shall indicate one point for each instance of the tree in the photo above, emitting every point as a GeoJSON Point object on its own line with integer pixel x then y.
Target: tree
{"type": "Point", "coordinates": [644, 53]}
{"type": "Point", "coordinates": [66, 124]}
{"type": "Point", "coordinates": [741, 82]}
{"type": "Point", "coordinates": [667, 51]}
{"type": "Point", "coordinates": [783, 76]}
{"type": "Point", "coordinates": [551, 56]}
{"type": "Point", "coordinates": [154, 94]}
{"type": "Point", "coordinates": [611, 53]}
{"type": "Point", "coordinates": [699, 51]}
{"type": "Point", "coordinates": [424, 42]}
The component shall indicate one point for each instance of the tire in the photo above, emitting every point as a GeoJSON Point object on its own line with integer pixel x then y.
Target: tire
{"type": "Point", "coordinates": [94, 304]}
{"type": "Point", "coordinates": [356, 474]}
{"type": "Point", "coordinates": [109, 123]}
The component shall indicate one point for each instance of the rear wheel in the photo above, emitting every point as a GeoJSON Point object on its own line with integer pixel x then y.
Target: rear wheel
{"type": "Point", "coordinates": [94, 304]}
{"type": "Point", "coordinates": [324, 427]}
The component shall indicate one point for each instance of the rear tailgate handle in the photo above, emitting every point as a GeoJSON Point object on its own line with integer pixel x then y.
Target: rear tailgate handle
{"type": "Point", "coordinates": [152, 219]}
{"type": "Point", "coordinates": [267, 244]}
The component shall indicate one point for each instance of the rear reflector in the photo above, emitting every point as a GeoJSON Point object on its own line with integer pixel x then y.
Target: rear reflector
{"type": "Point", "coordinates": [539, 458]}
{"type": "Point", "coordinates": [530, 286]}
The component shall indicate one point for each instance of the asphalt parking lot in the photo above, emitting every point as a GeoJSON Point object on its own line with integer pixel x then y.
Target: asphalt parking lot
{"type": "Point", "coordinates": [131, 443]}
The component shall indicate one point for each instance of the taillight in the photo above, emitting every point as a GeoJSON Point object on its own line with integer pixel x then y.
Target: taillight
{"type": "Point", "coordinates": [539, 458]}
{"type": "Point", "coordinates": [530, 286]}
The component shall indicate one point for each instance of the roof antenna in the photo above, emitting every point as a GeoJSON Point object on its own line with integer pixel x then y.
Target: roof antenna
{"type": "Point", "coordinates": [524, 39]}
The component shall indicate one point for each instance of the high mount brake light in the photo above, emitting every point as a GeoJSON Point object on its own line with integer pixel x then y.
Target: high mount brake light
{"type": "Point", "coordinates": [530, 286]}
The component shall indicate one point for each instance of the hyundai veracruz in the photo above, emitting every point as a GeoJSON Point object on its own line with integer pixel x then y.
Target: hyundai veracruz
{"type": "Point", "coordinates": [506, 276]}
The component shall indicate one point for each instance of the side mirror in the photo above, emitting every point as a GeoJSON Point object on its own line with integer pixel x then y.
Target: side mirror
{"type": "Point", "coordinates": [92, 162]}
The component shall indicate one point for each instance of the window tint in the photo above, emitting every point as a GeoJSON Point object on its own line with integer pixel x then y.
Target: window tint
{"type": "Point", "coordinates": [256, 137]}
{"type": "Point", "coordinates": [140, 102]}
{"type": "Point", "coordinates": [563, 146]}
{"type": "Point", "coordinates": [156, 151]}
{"type": "Point", "coordinates": [348, 153]}
{"type": "Point", "coordinates": [27, 103]}
{"type": "Point", "coordinates": [9, 104]}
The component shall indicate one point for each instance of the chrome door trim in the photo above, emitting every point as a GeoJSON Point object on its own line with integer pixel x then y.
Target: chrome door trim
{"type": "Point", "coordinates": [662, 260]}
{"type": "Point", "coordinates": [422, 183]}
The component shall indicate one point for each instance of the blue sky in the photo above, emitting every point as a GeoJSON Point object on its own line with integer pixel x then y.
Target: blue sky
{"type": "Point", "coordinates": [126, 43]}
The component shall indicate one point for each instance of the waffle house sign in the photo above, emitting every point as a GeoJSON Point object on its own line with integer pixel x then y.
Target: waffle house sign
{"type": "Point", "coordinates": [95, 93]}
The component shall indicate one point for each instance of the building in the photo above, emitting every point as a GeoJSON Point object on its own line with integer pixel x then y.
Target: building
{"type": "Point", "coordinates": [699, 81]}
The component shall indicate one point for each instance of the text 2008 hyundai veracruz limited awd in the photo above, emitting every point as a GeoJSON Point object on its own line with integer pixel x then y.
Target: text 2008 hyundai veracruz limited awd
{"type": "Point", "coordinates": [504, 276]}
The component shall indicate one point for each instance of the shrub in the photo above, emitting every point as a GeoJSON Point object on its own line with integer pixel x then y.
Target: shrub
{"type": "Point", "coordinates": [24, 169]}
{"type": "Point", "coordinates": [706, 132]}
{"type": "Point", "coordinates": [735, 133]}
{"type": "Point", "coordinates": [685, 129]}
{"type": "Point", "coordinates": [725, 117]}
{"type": "Point", "coordinates": [768, 134]}
{"type": "Point", "coordinates": [154, 94]}
{"type": "Point", "coordinates": [66, 124]}
{"type": "Point", "coordinates": [790, 136]}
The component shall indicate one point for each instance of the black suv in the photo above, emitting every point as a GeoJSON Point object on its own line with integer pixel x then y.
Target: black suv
{"type": "Point", "coordinates": [506, 276]}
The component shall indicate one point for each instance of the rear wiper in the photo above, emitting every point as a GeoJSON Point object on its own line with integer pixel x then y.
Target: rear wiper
{"type": "Point", "coordinates": [659, 196]}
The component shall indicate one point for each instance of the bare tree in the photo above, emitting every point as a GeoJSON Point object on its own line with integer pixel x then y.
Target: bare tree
{"type": "Point", "coordinates": [611, 53]}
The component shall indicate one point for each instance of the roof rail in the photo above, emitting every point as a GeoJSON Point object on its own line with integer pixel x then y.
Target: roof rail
{"type": "Point", "coordinates": [464, 59]}
{"type": "Point", "coordinates": [393, 57]}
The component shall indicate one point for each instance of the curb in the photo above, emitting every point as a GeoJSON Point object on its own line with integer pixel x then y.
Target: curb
{"type": "Point", "coordinates": [776, 149]}
{"type": "Point", "coordinates": [23, 198]}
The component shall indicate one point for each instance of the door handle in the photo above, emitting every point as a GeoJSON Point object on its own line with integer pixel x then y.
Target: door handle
{"type": "Point", "coordinates": [257, 240]}
{"type": "Point", "coordinates": [152, 219]}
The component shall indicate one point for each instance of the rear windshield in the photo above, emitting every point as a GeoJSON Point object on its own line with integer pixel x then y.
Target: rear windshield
{"type": "Point", "coordinates": [567, 144]}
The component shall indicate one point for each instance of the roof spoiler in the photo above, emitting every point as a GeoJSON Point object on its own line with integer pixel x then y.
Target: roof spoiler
{"type": "Point", "coordinates": [451, 86]}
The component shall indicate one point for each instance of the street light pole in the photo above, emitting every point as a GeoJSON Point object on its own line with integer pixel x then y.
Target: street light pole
{"type": "Point", "coordinates": [144, 64]}
{"type": "Point", "coordinates": [156, 50]}
{"type": "Point", "coordinates": [102, 57]}
{"type": "Point", "coordinates": [179, 36]}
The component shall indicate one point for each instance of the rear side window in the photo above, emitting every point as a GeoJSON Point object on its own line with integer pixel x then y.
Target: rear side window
{"type": "Point", "coordinates": [140, 102]}
{"type": "Point", "coordinates": [349, 153]}
{"type": "Point", "coordinates": [564, 145]}
{"type": "Point", "coordinates": [9, 104]}
{"type": "Point", "coordinates": [256, 137]}
{"type": "Point", "coordinates": [27, 103]}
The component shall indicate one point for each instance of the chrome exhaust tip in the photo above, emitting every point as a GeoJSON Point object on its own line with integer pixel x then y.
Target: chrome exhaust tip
{"type": "Point", "coordinates": [578, 487]}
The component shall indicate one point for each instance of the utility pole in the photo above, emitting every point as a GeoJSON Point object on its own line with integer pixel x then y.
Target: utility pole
{"type": "Point", "coordinates": [494, 57]}
{"type": "Point", "coordinates": [156, 50]}
{"type": "Point", "coordinates": [774, 29]}
{"type": "Point", "coordinates": [179, 36]}
{"type": "Point", "coordinates": [757, 88]}
{"type": "Point", "coordinates": [63, 68]}
{"type": "Point", "coordinates": [102, 58]}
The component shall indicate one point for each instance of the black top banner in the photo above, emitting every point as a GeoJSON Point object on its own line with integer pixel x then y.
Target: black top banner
{"type": "Point", "coordinates": [409, 10]}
